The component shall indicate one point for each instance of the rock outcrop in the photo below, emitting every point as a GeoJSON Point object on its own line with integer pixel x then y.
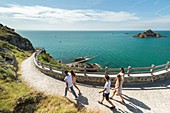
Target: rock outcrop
{"type": "Point", "coordinates": [148, 34]}
{"type": "Point", "coordinates": [9, 35]}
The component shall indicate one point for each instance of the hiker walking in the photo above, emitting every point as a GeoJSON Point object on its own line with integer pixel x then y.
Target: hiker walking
{"type": "Point", "coordinates": [106, 92]}
{"type": "Point", "coordinates": [118, 88]}
{"type": "Point", "coordinates": [74, 80]}
{"type": "Point", "coordinates": [69, 84]}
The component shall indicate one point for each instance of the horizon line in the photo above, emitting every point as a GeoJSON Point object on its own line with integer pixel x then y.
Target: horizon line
{"type": "Point", "coordinates": [91, 29]}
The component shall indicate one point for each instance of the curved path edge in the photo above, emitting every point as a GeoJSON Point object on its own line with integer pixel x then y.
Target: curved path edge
{"type": "Point", "coordinates": [139, 101]}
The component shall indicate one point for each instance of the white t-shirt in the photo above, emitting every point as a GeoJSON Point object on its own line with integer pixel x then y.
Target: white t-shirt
{"type": "Point", "coordinates": [68, 79]}
{"type": "Point", "coordinates": [107, 86]}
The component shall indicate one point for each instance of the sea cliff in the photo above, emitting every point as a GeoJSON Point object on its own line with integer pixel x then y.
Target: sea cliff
{"type": "Point", "coordinates": [9, 35]}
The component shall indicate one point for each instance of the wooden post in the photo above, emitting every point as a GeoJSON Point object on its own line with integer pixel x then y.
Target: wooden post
{"type": "Point", "coordinates": [152, 70]}
{"type": "Point", "coordinates": [42, 65]}
{"type": "Point", "coordinates": [167, 66]}
{"type": "Point", "coordinates": [50, 67]}
{"type": "Point", "coordinates": [85, 70]}
{"type": "Point", "coordinates": [62, 68]}
{"type": "Point", "coordinates": [106, 71]}
{"type": "Point", "coordinates": [37, 62]}
{"type": "Point", "coordinates": [128, 71]}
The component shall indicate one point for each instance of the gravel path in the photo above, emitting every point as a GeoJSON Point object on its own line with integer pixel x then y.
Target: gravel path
{"type": "Point", "coordinates": [155, 99]}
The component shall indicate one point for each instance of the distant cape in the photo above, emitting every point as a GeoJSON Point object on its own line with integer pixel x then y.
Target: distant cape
{"type": "Point", "coordinates": [148, 34]}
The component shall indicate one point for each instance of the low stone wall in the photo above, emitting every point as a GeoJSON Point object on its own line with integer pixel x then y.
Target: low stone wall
{"type": "Point", "coordinates": [146, 79]}
{"type": "Point", "coordinates": [98, 80]}
{"type": "Point", "coordinates": [161, 76]}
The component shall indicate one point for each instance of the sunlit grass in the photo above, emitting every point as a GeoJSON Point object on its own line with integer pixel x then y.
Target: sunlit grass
{"type": "Point", "coordinates": [11, 91]}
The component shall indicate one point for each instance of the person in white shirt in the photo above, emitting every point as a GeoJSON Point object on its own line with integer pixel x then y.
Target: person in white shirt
{"type": "Point", "coordinates": [106, 92]}
{"type": "Point", "coordinates": [69, 84]}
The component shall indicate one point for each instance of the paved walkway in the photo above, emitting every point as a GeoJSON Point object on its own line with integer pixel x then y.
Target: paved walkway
{"type": "Point", "coordinates": [140, 99]}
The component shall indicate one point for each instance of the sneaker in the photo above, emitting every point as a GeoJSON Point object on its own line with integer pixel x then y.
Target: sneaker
{"type": "Point", "coordinates": [113, 107]}
{"type": "Point", "coordinates": [123, 102]}
{"type": "Point", "coordinates": [80, 93]}
{"type": "Point", "coordinates": [100, 102]}
{"type": "Point", "coordinates": [76, 98]}
{"type": "Point", "coordinates": [111, 97]}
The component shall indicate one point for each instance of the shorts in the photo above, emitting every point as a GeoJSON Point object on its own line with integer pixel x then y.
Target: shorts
{"type": "Point", "coordinates": [119, 90]}
{"type": "Point", "coordinates": [106, 95]}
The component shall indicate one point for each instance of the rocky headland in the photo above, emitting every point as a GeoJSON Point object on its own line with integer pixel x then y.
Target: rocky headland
{"type": "Point", "coordinates": [9, 35]}
{"type": "Point", "coordinates": [148, 34]}
{"type": "Point", "coordinates": [13, 49]}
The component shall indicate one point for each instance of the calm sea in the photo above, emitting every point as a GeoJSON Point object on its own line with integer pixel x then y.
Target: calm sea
{"type": "Point", "coordinates": [110, 48]}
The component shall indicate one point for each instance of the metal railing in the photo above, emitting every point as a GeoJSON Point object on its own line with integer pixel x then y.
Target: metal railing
{"type": "Point", "coordinates": [111, 71]}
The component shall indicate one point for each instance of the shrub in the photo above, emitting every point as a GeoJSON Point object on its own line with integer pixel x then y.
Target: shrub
{"type": "Point", "coordinates": [28, 103]}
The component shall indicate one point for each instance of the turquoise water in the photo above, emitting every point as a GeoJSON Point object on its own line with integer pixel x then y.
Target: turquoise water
{"type": "Point", "coordinates": [110, 48]}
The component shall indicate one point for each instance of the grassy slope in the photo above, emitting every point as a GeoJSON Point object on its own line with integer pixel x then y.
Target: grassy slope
{"type": "Point", "coordinates": [11, 90]}
{"type": "Point", "coordinates": [18, 96]}
{"type": "Point", "coordinates": [6, 32]}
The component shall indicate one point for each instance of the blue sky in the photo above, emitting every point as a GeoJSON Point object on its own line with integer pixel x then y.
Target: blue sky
{"type": "Point", "coordinates": [85, 14]}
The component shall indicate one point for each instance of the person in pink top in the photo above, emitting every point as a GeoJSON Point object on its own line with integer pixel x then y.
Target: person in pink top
{"type": "Point", "coordinates": [118, 87]}
{"type": "Point", "coordinates": [74, 80]}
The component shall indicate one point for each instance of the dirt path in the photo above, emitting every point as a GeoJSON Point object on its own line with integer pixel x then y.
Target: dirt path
{"type": "Point", "coordinates": [150, 100]}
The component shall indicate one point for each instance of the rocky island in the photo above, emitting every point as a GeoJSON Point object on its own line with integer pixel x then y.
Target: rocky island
{"type": "Point", "coordinates": [148, 34]}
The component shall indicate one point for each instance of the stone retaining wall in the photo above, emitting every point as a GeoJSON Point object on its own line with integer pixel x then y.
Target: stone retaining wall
{"type": "Point", "coordinates": [98, 80]}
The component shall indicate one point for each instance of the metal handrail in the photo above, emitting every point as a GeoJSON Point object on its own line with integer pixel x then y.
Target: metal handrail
{"type": "Point", "coordinates": [85, 70]}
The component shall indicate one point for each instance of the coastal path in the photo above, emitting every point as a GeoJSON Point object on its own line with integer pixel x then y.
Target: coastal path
{"type": "Point", "coordinates": [151, 98]}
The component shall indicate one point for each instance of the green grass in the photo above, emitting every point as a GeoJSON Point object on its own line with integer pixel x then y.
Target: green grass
{"type": "Point", "coordinates": [5, 32]}
{"type": "Point", "coordinates": [18, 97]}
{"type": "Point", "coordinates": [47, 58]}
{"type": "Point", "coordinates": [11, 92]}
{"type": "Point", "coordinates": [58, 104]}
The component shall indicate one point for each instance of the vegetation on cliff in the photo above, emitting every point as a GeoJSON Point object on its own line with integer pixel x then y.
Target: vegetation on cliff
{"type": "Point", "coordinates": [15, 95]}
{"type": "Point", "coordinates": [47, 58]}
{"type": "Point", "coordinates": [10, 84]}
{"type": "Point", "coordinates": [9, 35]}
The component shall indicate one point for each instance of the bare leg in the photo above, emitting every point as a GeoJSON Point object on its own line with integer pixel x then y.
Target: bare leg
{"type": "Point", "coordinates": [76, 87]}
{"type": "Point", "coordinates": [111, 103]}
{"type": "Point", "coordinates": [120, 94]}
{"type": "Point", "coordinates": [101, 100]}
{"type": "Point", "coordinates": [65, 92]}
{"type": "Point", "coordinates": [113, 93]}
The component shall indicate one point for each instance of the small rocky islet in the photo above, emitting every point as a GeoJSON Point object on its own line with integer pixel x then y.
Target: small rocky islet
{"type": "Point", "coordinates": [148, 34]}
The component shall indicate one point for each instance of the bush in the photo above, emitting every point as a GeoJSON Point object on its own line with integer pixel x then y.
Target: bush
{"type": "Point", "coordinates": [28, 103]}
{"type": "Point", "coordinates": [5, 73]}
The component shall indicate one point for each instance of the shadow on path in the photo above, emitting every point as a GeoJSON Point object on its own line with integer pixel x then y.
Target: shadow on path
{"type": "Point", "coordinates": [133, 104]}
{"type": "Point", "coordinates": [131, 107]}
{"type": "Point", "coordinates": [136, 102]}
{"type": "Point", "coordinates": [115, 110]}
{"type": "Point", "coordinates": [78, 105]}
{"type": "Point", "coordinates": [82, 100]}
